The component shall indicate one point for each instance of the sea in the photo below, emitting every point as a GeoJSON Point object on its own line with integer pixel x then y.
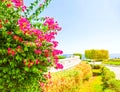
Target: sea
{"type": "Point", "coordinates": [111, 56]}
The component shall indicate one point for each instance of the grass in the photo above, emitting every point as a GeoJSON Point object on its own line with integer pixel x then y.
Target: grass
{"type": "Point", "coordinates": [112, 62]}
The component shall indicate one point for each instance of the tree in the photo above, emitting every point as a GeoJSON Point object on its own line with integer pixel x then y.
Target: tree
{"type": "Point", "coordinates": [96, 54]}
{"type": "Point", "coordinates": [78, 54]}
{"type": "Point", "coordinates": [27, 46]}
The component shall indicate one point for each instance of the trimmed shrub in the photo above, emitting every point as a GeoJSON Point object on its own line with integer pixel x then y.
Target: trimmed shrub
{"type": "Point", "coordinates": [96, 54]}
{"type": "Point", "coordinates": [65, 81]}
{"type": "Point", "coordinates": [114, 85]}
{"type": "Point", "coordinates": [69, 80]}
{"type": "Point", "coordinates": [109, 81]}
{"type": "Point", "coordinates": [61, 57]}
{"type": "Point", "coordinates": [78, 54]}
{"type": "Point", "coordinates": [86, 69]}
{"type": "Point", "coordinates": [107, 74]}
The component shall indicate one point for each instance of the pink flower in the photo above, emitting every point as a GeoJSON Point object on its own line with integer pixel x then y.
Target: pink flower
{"type": "Point", "coordinates": [41, 5]}
{"type": "Point", "coordinates": [13, 53]}
{"type": "Point", "coordinates": [57, 52]}
{"type": "Point", "coordinates": [37, 32]}
{"type": "Point", "coordinates": [42, 84]}
{"type": "Point", "coordinates": [9, 51]}
{"type": "Point", "coordinates": [37, 61]}
{"type": "Point", "coordinates": [59, 66]}
{"type": "Point", "coordinates": [9, 5]}
{"type": "Point", "coordinates": [50, 36]}
{"type": "Point", "coordinates": [18, 49]}
{"type": "Point", "coordinates": [24, 8]}
{"type": "Point", "coordinates": [52, 25]}
{"type": "Point", "coordinates": [18, 3]}
{"type": "Point", "coordinates": [55, 43]}
{"type": "Point", "coordinates": [24, 24]}
{"type": "Point", "coordinates": [46, 53]}
{"type": "Point", "coordinates": [1, 26]}
{"type": "Point", "coordinates": [48, 76]}
{"type": "Point", "coordinates": [37, 51]}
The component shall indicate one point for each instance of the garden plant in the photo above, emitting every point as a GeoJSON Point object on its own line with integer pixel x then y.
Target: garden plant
{"type": "Point", "coordinates": [27, 46]}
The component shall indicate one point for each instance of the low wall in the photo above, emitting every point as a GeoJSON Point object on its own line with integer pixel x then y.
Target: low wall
{"type": "Point", "coordinates": [67, 63]}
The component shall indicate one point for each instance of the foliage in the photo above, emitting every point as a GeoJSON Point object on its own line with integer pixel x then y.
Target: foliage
{"type": "Point", "coordinates": [86, 69]}
{"type": "Point", "coordinates": [109, 90]}
{"type": "Point", "coordinates": [61, 57]}
{"type": "Point", "coordinates": [69, 80]}
{"type": "Point", "coordinates": [109, 81]}
{"type": "Point", "coordinates": [114, 85]}
{"type": "Point", "coordinates": [96, 54]}
{"type": "Point", "coordinates": [65, 81]}
{"type": "Point", "coordinates": [27, 48]}
{"type": "Point", "coordinates": [94, 84]}
{"type": "Point", "coordinates": [107, 74]}
{"type": "Point", "coordinates": [112, 62]}
{"type": "Point", "coordinates": [96, 66]}
{"type": "Point", "coordinates": [78, 54]}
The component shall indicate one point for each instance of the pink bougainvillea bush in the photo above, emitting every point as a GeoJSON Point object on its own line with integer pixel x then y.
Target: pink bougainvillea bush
{"type": "Point", "coordinates": [27, 46]}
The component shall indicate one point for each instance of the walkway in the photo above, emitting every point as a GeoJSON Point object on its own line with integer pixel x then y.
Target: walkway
{"type": "Point", "coordinates": [115, 69]}
{"type": "Point", "coordinates": [67, 63]}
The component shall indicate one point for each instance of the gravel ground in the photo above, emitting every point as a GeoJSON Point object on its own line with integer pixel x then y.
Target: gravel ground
{"type": "Point", "coordinates": [115, 69]}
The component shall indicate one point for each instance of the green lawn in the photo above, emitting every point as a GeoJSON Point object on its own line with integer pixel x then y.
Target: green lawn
{"type": "Point", "coordinates": [112, 62]}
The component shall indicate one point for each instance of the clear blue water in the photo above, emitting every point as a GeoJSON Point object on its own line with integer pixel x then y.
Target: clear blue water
{"type": "Point", "coordinates": [83, 57]}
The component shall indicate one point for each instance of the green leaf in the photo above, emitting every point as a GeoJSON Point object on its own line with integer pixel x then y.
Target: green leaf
{"type": "Point", "coordinates": [5, 70]}
{"type": "Point", "coordinates": [25, 48]}
{"type": "Point", "coordinates": [34, 69]}
{"type": "Point", "coordinates": [23, 54]}
{"type": "Point", "coordinates": [17, 57]}
{"type": "Point", "coordinates": [17, 71]}
{"type": "Point", "coordinates": [26, 69]}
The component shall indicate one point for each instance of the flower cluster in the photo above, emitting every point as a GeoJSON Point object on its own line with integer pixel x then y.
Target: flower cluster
{"type": "Point", "coordinates": [52, 25]}
{"type": "Point", "coordinates": [46, 38]}
{"type": "Point", "coordinates": [24, 24]}
{"type": "Point", "coordinates": [18, 3]}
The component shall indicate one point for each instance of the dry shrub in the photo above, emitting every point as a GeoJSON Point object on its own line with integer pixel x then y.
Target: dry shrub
{"type": "Point", "coordinates": [86, 69]}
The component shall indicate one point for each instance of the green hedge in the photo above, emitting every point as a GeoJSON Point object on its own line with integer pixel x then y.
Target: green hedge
{"type": "Point", "coordinates": [61, 57]}
{"type": "Point", "coordinates": [78, 54]}
{"type": "Point", "coordinates": [109, 81]}
{"type": "Point", "coordinates": [112, 62]}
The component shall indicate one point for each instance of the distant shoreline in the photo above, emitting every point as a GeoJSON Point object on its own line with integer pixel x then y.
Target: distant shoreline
{"type": "Point", "coordinates": [116, 55]}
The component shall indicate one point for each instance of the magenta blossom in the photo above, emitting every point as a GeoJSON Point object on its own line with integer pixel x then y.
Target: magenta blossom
{"type": "Point", "coordinates": [18, 3]}
{"type": "Point", "coordinates": [55, 43]}
{"type": "Point", "coordinates": [37, 32]}
{"type": "Point", "coordinates": [50, 36]}
{"type": "Point", "coordinates": [37, 51]}
{"type": "Point", "coordinates": [59, 66]}
{"type": "Point", "coordinates": [24, 8]}
{"type": "Point", "coordinates": [52, 25]}
{"type": "Point", "coordinates": [24, 24]}
{"type": "Point", "coordinates": [57, 52]}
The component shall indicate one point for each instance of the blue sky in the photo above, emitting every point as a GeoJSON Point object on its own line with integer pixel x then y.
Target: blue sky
{"type": "Point", "coordinates": [86, 24]}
